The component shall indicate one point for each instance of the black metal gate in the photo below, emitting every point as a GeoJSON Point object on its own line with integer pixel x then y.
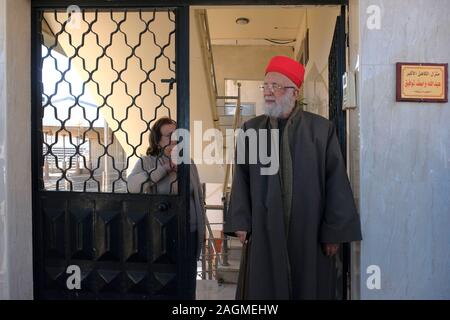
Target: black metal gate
{"type": "Point", "coordinates": [336, 69]}
{"type": "Point", "coordinates": [102, 75]}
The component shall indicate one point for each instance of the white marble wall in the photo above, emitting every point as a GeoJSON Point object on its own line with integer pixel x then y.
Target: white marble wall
{"type": "Point", "coordinates": [16, 273]}
{"type": "Point", "coordinates": [353, 140]}
{"type": "Point", "coordinates": [405, 155]}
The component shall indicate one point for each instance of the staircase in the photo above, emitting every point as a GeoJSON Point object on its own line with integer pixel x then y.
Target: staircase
{"type": "Point", "coordinates": [229, 273]}
{"type": "Point", "coordinates": [225, 259]}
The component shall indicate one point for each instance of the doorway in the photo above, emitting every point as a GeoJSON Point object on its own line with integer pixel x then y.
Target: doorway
{"type": "Point", "coordinates": [238, 41]}
{"type": "Point", "coordinates": [126, 245]}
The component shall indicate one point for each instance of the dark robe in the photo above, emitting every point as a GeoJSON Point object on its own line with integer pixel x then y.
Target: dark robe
{"type": "Point", "coordinates": [323, 211]}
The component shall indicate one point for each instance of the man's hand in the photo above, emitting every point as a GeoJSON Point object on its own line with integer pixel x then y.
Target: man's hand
{"type": "Point", "coordinates": [241, 235]}
{"type": "Point", "coordinates": [330, 249]}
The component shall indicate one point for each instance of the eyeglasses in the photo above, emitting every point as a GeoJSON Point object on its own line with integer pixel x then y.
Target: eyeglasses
{"type": "Point", "coordinates": [273, 87]}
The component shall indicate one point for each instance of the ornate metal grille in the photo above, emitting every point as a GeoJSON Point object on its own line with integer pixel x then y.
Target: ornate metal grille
{"type": "Point", "coordinates": [100, 81]}
{"type": "Point", "coordinates": [336, 66]}
{"type": "Point", "coordinates": [107, 76]}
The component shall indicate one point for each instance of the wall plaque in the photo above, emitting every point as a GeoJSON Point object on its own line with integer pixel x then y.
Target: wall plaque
{"type": "Point", "coordinates": [422, 82]}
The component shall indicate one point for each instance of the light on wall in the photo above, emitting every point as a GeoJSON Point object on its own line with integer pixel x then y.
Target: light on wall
{"type": "Point", "coordinates": [242, 20]}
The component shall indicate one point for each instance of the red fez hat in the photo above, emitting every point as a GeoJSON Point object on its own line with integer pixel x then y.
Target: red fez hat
{"type": "Point", "coordinates": [288, 67]}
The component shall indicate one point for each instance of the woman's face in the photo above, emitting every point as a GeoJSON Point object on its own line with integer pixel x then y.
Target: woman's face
{"type": "Point", "coordinates": [166, 142]}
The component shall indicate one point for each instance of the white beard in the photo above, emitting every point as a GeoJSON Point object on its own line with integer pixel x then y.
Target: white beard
{"type": "Point", "coordinates": [277, 108]}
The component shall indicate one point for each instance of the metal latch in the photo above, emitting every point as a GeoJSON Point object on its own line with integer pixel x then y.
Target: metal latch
{"type": "Point", "coordinates": [170, 81]}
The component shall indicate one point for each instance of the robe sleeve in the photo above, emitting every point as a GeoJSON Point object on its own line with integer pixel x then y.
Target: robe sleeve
{"type": "Point", "coordinates": [239, 217]}
{"type": "Point", "coordinates": [340, 221]}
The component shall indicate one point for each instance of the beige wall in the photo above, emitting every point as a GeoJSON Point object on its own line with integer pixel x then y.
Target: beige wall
{"type": "Point", "coordinates": [244, 62]}
{"type": "Point", "coordinates": [200, 104]}
{"type": "Point", "coordinates": [321, 22]}
{"type": "Point", "coordinates": [16, 265]}
{"type": "Point", "coordinates": [250, 93]}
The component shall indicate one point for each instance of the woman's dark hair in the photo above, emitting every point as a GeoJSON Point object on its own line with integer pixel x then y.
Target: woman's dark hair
{"type": "Point", "coordinates": [155, 135]}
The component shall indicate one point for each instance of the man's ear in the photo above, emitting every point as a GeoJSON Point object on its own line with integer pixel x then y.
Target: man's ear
{"type": "Point", "coordinates": [296, 93]}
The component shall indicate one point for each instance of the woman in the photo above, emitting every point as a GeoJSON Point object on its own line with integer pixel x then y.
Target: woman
{"type": "Point", "coordinates": [156, 173]}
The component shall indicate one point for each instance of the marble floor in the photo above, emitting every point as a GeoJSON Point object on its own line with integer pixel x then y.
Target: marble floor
{"type": "Point", "coordinates": [211, 290]}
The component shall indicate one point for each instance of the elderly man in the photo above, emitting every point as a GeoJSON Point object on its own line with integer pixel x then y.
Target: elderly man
{"type": "Point", "coordinates": [297, 218]}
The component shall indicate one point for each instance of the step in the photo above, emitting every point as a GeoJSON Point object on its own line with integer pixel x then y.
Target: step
{"type": "Point", "coordinates": [212, 290]}
{"type": "Point", "coordinates": [234, 253]}
{"type": "Point", "coordinates": [226, 120]}
{"type": "Point", "coordinates": [230, 273]}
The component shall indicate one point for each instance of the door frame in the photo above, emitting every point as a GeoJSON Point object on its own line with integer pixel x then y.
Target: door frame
{"type": "Point", "coordinates": [339, 120]}
{"type": "Point", "coordinates": [182, 40]}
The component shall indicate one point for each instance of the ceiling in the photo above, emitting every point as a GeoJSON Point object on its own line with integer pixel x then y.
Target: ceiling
{"type": "Point", "coordinates": [281, 23]}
